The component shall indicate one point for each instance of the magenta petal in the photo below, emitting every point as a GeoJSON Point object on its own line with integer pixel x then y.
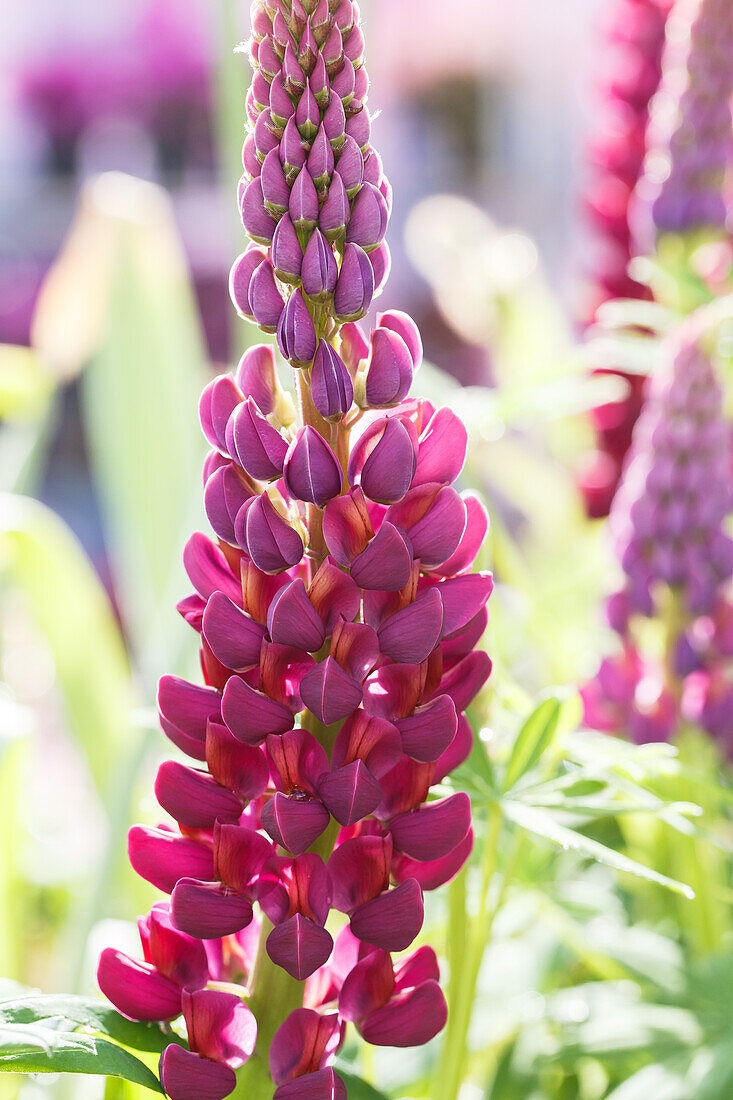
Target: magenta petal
{"type": "Point", "coordinates": [355, 647]}
{"type": "Point", "coordinates": [287, 255]}
{"type": "Point", "coordinates": [292, 619]}
{"type": "Point", "coordinates": [209, 910]}
{"type": "Point", "coordinates": [463, 598]}
{"type": "Point", "coordinates": [409, 1019]}
{"type": "Point", "coordinates": [429, 730]}
{"type": "Point", "coordinates": [437, 535]}
{"type": "Point", "coordinates": [193, 797]}
{"type": "Point", "coordinates": [323, 1085]}
{"type": "Point", "coordinates": [347, 527]}
{"type": "Point", "coordinates": [233, 637]}
{"type": "Point", "coordinates": [312, 471]}
{"type": "Point", "coordinates": [240, 855]}
{"type": "Point", "coordinates": [419, 967]}
{"type": "Point", "coordinates": [464, 681]}
{"type": "Point", "coordinates": [368, 986]}
{"type": "Point", "coordinates": [335, 210]}
{"type": "Point", "coordinates": [224, 494]}
{"type": "Point", "coordinates": [381, 261]}
{"type": "Point", "coordinates": [472, 539]}
{"type": "Point", "coordinates": [240, 767]}
{"type": "Point", "coordinates": [350, 793]}
{"type": "Point", "coordinates": [258, 222]}
{"type": "Point", "coordinates": [392, 920]}
{"type": "Point", "coordinates": [297, 761]}
{"type": "Point", "coordinates": [373, 740]}
{"type": "Point", "coordinates": [136, 989]}
{"type": "Point", "coordinates": [438, 871]}
{"type": "Point", "coordinates": [411, 634]}
{"type": "Point", "coordinates": [275, 189]}
{"type": "Point", "coordinates": [359, 871]}
{"type": "Point", "coordinates": [217, 402]}
{"type": "Point", "coordinates": [334, 595]}
{"type": "Point", "coordinates": [265, 297]}
{"type": "Point", "coordinates": [299, 946]}
{"type": "Point", "coordinates": [174, 954]}
{"type": "Point", "coordinates": [355, 286]}
{"type": "Point", "coordinates": [257, 377]}
{"type": "Point", "coordinates": [186, 1076]}
{"type": "Point", "coordinates": [369, 217]}
{"type": "Point", "coordinates": [386, 563]}
{"type": "Point", "coordinates": [404, 326]}
{"type": "Point", "coordinates": [294, 823]}
{"type": "Point", "coordinates": [329, 692]}
{"type": "Point", "coordinates": [442, 449]}
{"type": "Point", "coordinates": [207, 568]}
{"type": "Point", "coordinates": [303, 1044]}
{"type": "Point", "coordinates": [296, 334]}
{"type": "Point", "coordinates": [388, 463]}
{"type": "Point", "coordinates": [331, 386]}
{"type": "Point", "coordinates": [460, 644]}
{"type": "Point", "coordinates": [184, 710]}
{"type": "Point", "coordinates": [250, 715]}
{"type": "Point", "coordinates": [390, 369]}
{"type": "Point", "coordinates": [272, 543]}
{"type": "Point", "coordinates": [240, 279]}
{"type": "Point", "coordinates": [220, 1025]}
{"type": "Point", "coordinates": [434, 829]}
{"type": "Point", "coordinates": [257, 446]}
{"type": "Point", "coordinates": [162, 857]}
{"type": "Point", "coordinates": [319, 271]}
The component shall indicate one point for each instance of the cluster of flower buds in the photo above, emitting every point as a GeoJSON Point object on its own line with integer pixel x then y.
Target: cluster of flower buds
{"type": "Point", "coordinates": [632, 45]}
{"type": "Point", "coordinates": [313, 197]}
{"type": "Point", "coordinates": [691, 129]}
{"type": "Point", "coordinates": [668, 526]}
{"type": "Point", "coordinates": [338, 620]}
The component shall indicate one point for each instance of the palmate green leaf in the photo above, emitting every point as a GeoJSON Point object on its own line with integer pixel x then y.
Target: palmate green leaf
{"type": "Point", "coordinates": [26, 1048]}
{"type": "Point", "coordinates": [533, 739]}
{"type": "Point", "coordinates": [543, 824]}
{"type": "Point", "coordinates": [70, 1012]}
{"type": "Point", "coordinates": [42, 559]}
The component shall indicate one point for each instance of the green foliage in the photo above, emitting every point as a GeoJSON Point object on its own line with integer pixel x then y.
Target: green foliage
{"type": "Point", "coordinates": [32, 1049]}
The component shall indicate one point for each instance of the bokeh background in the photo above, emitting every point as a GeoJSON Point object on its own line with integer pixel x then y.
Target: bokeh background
{"type": "Point", "coordinates": [120, 134]}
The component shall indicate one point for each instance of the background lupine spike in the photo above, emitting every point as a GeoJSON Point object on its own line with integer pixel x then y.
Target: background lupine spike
{"type": "Point", "coordinates": [631, 54]}
{"type": "Point", "coordinates": [691, 127]}
{"type": "Point", "coordinates": [668, 525]}
{"type": "Point", "coordinates": [337, 620]}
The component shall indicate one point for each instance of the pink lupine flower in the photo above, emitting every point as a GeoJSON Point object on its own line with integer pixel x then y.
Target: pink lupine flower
{"type": "Point", "coordinates": [631, 68]}
{"type": "Point", "coordinates": [668, 525]}
{"type": "Point", "coordinates": [338, 619]}
{"type": "Point", "coordinates": [691, 130]}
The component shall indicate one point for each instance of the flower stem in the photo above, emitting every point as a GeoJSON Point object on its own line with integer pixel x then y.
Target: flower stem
{"type": "Point", "coordinates": [450, 1071]}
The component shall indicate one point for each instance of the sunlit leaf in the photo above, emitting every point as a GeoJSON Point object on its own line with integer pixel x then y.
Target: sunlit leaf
{"type": "Point", "coordinates": [533, 739]}
{"type": "Point", "coordinates": [543, 824]}
{"type": "Point", "coordinates": [28, 1049]}
{"type": "Point", "coordinates": [71, 1012]}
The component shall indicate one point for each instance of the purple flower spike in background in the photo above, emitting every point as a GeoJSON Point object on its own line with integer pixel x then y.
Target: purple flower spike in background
{"type": "Point", "coordinates": [338, 619]}
{"type": "Point", "coordinates": [691, 128]}
{"type": "Point", "coordinates": [668, 525]}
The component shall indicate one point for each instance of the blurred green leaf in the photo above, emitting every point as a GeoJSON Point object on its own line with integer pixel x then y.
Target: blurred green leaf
{"type": "Point", "coordinates": [40, 557]}
{"type": "Point", "coordinates": [357, 1088]}
{"type": "Point", "coordinates": [543, 824]}
{"type": "Point", "coordinates": [71, 1012]}
{"type": "Point", "coordinates": [28, 1049]}
{"type": "Point", "coordinates": [140, 397]}
{"type": "Point", "coordinates": [533, 739]}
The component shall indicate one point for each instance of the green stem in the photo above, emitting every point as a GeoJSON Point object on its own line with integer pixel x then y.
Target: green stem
{"type": "Point", "coordinates": [463, 987]}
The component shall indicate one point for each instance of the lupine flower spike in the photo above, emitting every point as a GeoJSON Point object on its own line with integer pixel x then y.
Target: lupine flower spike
{"type": "Point", "coordinates": [632, 43]}
{"type": "Point", "coordinates": [682, 189]}
{"type": "Point", "coordinates": [338, 618]}
{"type": "Point", "coordinates": [668, 528]}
